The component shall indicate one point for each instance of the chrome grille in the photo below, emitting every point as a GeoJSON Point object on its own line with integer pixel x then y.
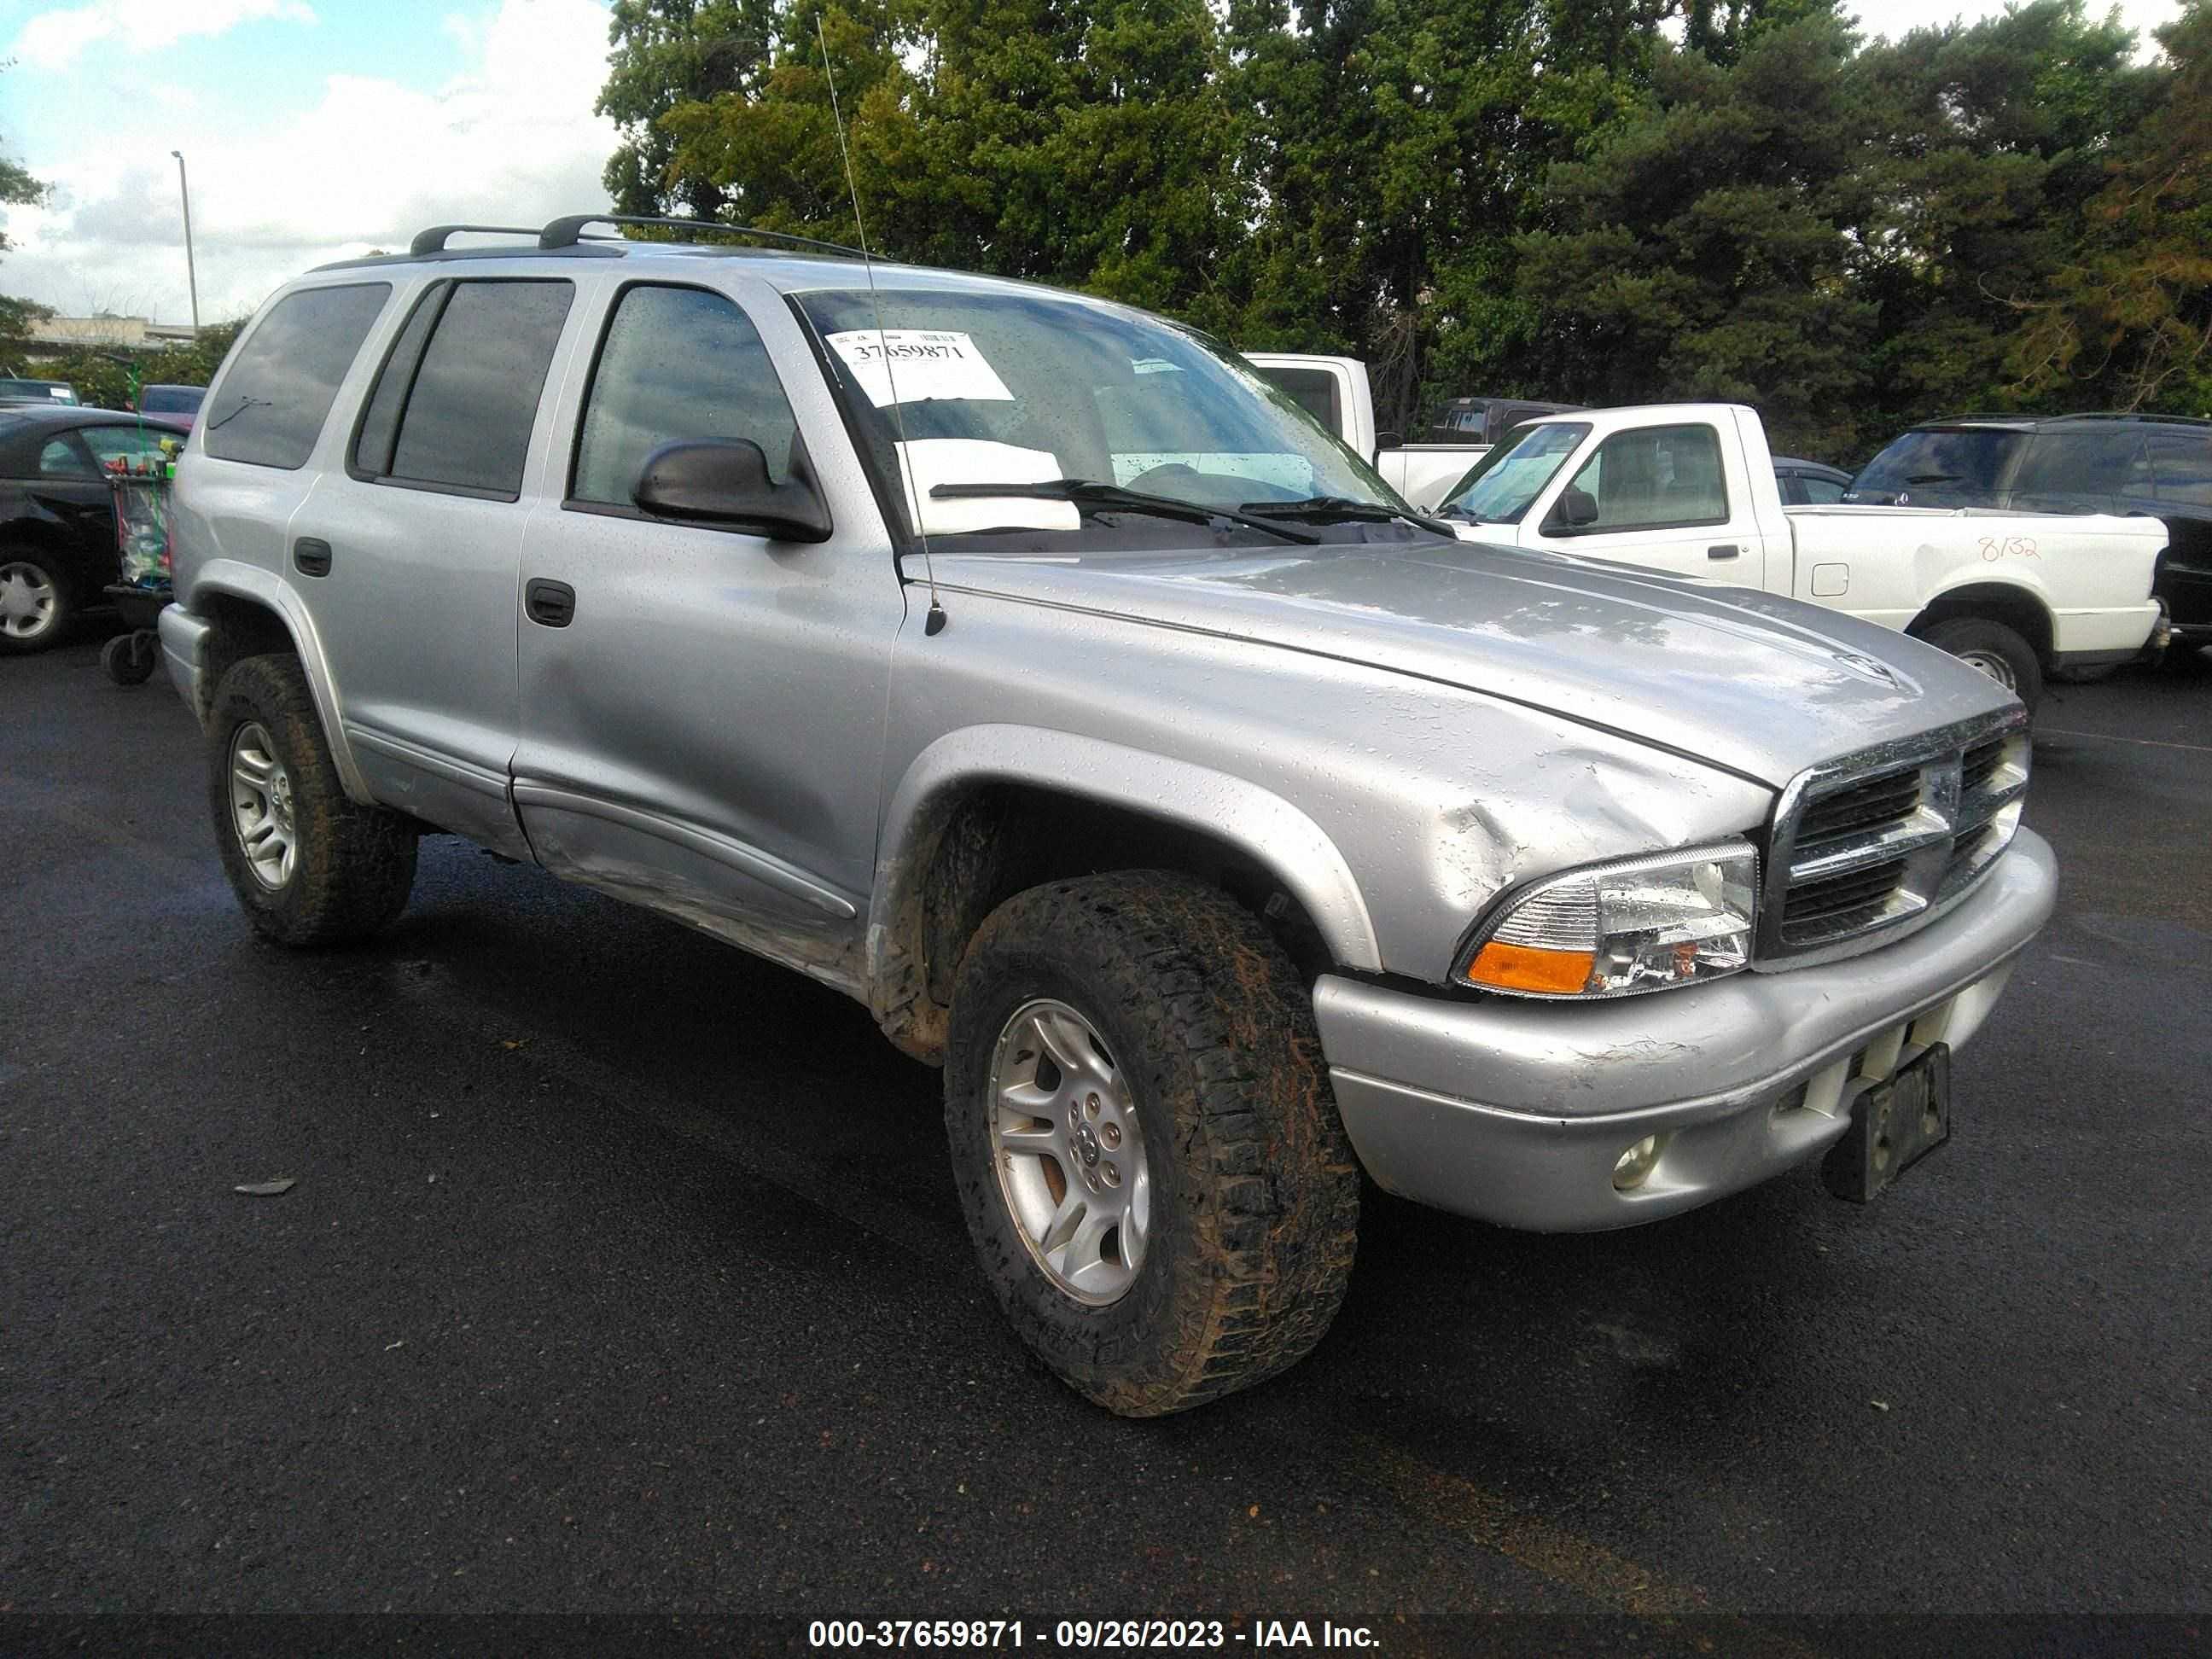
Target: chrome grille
{"type": "Point", "coordinates": [1889, 838]}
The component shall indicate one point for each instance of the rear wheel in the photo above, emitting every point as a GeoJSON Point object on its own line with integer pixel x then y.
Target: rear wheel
{"type": "Point", "coordinates": [309, 866]}
{"type": "Point", "coordinates": [35, 604]}
{"type": "Point", "coordinates": [1152, 1166]}
{"type": "Point", "coordinates": [1997, 651]}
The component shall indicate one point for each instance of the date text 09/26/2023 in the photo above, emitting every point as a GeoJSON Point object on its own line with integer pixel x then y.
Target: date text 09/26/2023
{"type": "Point", "coordinates": [1084, 1634]}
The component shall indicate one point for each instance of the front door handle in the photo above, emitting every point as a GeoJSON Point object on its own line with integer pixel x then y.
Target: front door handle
{"type": "Point", "coordinates": [553, 603]}
{"type": "Point", "coordinates": [1722, 552]}
{"type": "Point", "coordinates": [311, 556]}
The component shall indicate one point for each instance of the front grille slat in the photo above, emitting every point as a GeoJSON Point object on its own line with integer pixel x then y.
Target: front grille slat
{"type": "Point", "coordinates": [1867, 852]}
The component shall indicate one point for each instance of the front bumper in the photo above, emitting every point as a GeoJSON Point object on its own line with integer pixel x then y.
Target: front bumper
{"type": "Point", "coordinates": [1515, 1111]}
{"type": "Point", "coordinates": [183, 647]}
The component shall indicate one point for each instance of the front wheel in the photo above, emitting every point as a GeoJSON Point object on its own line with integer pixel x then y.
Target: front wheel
{"type": "Point", "coordinates": [309, 866]}
{"type": "Point", "coordinates": [1997, 651]}
{"type": "Point", "coordinates": [1142, 1137]}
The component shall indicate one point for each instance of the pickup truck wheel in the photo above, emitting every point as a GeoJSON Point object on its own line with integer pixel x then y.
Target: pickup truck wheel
{"type": "Point", "coordinates": [309, 866]}
{"type": "Point", "coordinates": [35, 603]}
{"type": "Point", "coordinates": [1146, 1147]}
{"type": "Point", "coordinates": [1997, 651]}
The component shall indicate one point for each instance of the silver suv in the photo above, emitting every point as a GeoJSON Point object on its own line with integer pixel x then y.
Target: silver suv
{"type": "Point", "coordinates": [1023, 666]}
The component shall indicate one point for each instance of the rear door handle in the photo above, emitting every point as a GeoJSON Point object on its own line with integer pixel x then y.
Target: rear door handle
{"type": "Point", "coordinates": [1722, 552]}
{"type": "Point", "coordinates": [311, 556]}
{"type": "Point", "coordinates": [551, 603]}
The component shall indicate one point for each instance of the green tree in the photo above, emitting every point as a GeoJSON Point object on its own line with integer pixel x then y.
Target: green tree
{"type": "Point", "coordinates": [2127, 323]}
{"type": "Point", "coordinates": [1395, 147]}
{"type": "Point", "coordinates": [663, 53]}
{"type": "Point", "coordinates": [1992, 139]}
{"type": "Point", "coordinates": [18, 316]}
{"type": "Point", "coordinates": [1702, 248]}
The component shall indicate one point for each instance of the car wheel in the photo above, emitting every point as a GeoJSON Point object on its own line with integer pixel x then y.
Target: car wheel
{"type": "Point", "coordinates": [35, 603]}
{"type": "Point", "coordinates": [1146, 1147]}
{"type": "Point", "coordinates": [1997, 651]}
{"type": "Point", "coordinates": [309, 866]}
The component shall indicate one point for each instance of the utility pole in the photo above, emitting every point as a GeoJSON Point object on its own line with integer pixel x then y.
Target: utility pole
{"type": "Point", "coordinates": [192, 275]}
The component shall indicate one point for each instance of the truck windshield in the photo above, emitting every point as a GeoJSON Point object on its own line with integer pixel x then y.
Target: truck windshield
{"type": "Point", "coordinates": [1064, 401]}
{"type": "Point", "coordinates": [1505, 481]}
{"type": "Point", "coordinates": [1945, 466]}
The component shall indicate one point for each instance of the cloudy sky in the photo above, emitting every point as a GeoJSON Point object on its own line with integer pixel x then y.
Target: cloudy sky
{"type": "Point", "coordinates": [318, 129]}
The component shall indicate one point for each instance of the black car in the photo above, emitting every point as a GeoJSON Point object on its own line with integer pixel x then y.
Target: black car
{"type": "Point", "coordinates": [57, 517]}
{"type": "Point", "coordinates": [1809, 483]}
{"type": "Point", "coordinates": [2159, 466]}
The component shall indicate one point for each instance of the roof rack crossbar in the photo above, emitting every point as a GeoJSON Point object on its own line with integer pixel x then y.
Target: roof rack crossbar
{"type": "Point", "coordinates": [433, 241]}
{"type": "Point", "coordinates": [566, 233]}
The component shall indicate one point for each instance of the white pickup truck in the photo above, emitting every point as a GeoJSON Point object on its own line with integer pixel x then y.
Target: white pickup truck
{"type": "Point", "coordinates": [1689, 489]}
{"type": "Point", "coordinates": [1335, 391]}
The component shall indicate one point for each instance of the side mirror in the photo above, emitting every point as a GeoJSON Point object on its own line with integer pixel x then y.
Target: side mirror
{"type": "Point", "coordinates": [1577, 509]}
{"type": "Point", "coordinates": [724, 480]}
{"type": "Point", "coordinates": [1388, 440]}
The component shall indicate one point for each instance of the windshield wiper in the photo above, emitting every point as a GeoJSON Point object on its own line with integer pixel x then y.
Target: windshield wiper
{"type": "Point", "coordinates": [1104, 497]}
{"type": "Point", "coordinates": [1936, 478]}
{"type": "Point", "coordinates": [1336, 509]}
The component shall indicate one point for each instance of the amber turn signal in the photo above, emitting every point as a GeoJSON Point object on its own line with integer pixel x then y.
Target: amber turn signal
{"type": "Point", "coordinates": [1501, 967]}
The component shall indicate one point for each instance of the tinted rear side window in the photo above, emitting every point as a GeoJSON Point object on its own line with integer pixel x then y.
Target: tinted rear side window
{"type": "Point", "coordinates": [1961, 465]}
{"type": "Point", "coordinates": [2183, 462]}
{"type": "Point", "coordinates": [277, 393]}
{"type": "Point", "coordinates": [466, 421]}
{"type": "Point", "coordinates": [2094, 463]}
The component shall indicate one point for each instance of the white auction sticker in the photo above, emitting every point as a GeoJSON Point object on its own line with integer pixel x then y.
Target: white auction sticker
{"type": "Point", "coordinates": [923, 362]}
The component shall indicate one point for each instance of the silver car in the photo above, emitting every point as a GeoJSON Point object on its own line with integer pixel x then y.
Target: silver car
{"type": "Point", "coordinates": [1023, 666]}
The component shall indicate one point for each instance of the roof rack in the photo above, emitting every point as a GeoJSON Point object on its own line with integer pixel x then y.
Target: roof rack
{"type": "Point", "coordinates": [433, 241]}
{"type": "Point", "coordinates": [566, 233]}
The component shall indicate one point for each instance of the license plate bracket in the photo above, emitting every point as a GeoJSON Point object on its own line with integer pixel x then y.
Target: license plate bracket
{"type": "Point", "coordinates": [1894, 1124]}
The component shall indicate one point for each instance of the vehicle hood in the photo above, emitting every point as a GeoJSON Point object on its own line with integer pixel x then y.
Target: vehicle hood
{"type": "Point", "coordinates": [1760, 685]}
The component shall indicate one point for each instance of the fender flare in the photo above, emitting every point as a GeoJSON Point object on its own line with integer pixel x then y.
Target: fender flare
{"type": "Point", "coordinates": [1250, 817]}
{"type": "Point", "coordinates": [2024, 587]}
{"type": "Point", "coordinates": [235, 579]}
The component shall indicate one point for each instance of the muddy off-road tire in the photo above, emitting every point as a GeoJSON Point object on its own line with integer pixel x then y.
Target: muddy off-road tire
{"type": "Point", "coordinates": [1167, 1049]}
{"type": "Point", "coordinates": [1997, 651]}
{"type": "Point", "coordinates": [309, 866]}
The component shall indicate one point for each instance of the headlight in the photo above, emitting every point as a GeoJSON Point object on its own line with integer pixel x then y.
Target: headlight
{"type": "Point", "coordinates": [1610, 929]}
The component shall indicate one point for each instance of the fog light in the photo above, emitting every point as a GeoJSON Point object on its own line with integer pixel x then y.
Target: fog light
{"type": "Point", "coordinates": [1634, 1165]}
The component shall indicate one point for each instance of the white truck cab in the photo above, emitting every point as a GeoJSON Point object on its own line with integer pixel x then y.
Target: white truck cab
{"type": "Point", "coordinates": [1336, 392]}
{"type": "Point", "coordinates": [1689, 489]}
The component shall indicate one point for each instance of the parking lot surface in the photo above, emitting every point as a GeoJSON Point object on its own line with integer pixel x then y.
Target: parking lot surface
{"type": "Point", "coordinates": [623, 1273]}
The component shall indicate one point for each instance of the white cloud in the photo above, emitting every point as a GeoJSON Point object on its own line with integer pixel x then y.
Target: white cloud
{"type": "Point", "coordinates": [511, 141]}
{"type": "Point", "coordinates": [54, 39]}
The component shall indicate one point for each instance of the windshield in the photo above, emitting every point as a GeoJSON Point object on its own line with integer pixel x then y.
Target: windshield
{"type": "Point", "coordinates": [1504, 482]}
{"type": "Point", "coordinates": [1955, 466]}
{"type": "Point", "coordinates": [1029, 390]}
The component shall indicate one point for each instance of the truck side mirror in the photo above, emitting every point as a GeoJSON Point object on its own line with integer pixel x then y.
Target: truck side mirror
{"type": "Point", "coordinates": [1387, 441]}
{"type": "Point", "coordinates": [724, 480]}
{"type": "Point", "coordinates": [1577, 509]}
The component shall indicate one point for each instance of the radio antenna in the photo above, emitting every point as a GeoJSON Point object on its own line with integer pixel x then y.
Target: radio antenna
{"type": "Point", "coordinates": [934, 623]}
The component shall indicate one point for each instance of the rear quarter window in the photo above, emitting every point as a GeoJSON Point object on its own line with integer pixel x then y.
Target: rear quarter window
{"type": "Point", "coordinates": [277, 393]}
{"type": "Point", "coordinates": [2182, 462]}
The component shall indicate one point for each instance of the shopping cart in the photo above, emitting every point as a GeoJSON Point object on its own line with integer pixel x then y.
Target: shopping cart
{"type": "Point", "coordinates": [142, 550]}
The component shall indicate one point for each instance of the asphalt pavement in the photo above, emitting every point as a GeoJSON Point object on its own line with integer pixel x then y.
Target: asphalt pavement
{"type": "Point", "coordinates": [623, 1273]}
